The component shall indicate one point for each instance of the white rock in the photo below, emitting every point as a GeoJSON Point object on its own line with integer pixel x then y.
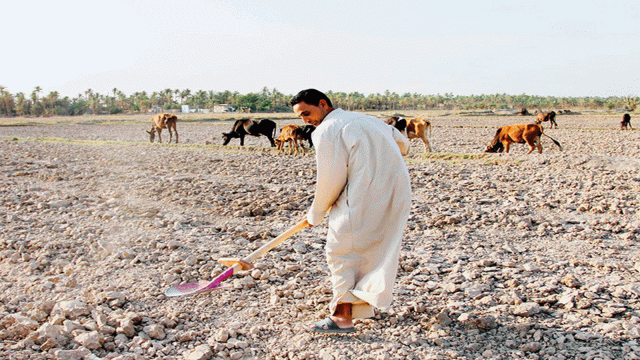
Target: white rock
{"type": "Point", "coordinates": [72, 309]}
{"type": "Point", "coordinates": [201, 352]}
{"type": "Point", "coordinates": [526, 309]}
{"type": "Point", "coordinates": [91, 340]}
{"type": "Point", "coordinates": [78, 354]}
{"type": "Point", "coordinates": [155, 331]}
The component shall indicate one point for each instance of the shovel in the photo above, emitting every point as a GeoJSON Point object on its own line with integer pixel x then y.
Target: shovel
{"type": "Point", "coordinates": [234, 265]}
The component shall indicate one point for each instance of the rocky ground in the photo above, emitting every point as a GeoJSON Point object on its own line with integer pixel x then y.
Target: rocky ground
{"type": "Point", "coordinates": [506, 256]}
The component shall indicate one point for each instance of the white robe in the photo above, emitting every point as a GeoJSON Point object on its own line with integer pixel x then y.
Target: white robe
{"type": "Point", "coordinates": [363, 179]}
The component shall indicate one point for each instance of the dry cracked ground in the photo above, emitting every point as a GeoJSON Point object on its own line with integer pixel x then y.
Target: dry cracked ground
{"type": "Point", "coordinates": [506, 256]}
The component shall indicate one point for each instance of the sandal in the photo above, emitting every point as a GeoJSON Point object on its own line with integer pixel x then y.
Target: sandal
{"type": "Point", "coordinates": [328, 326]}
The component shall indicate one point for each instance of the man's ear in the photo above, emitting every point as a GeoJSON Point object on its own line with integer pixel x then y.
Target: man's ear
{"type": "Point", "coordinates": [323, 104]}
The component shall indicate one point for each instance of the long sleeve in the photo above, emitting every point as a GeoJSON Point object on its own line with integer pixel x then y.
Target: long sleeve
{"type": "Point", "coordinates": [331, 160]}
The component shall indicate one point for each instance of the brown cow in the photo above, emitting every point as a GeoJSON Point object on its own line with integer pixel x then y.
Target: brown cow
{"type": "Point", "coordinates": [519, 133]}
{"type": "Point", "coordinates": [290, 133]}
{"type": "Point", "coordinates": [398, 123]}
{"type": "Point", "coordinates": [626, 121]}
{"type": "Point", "coordinates": [550, 117]}
{"type": "Point", "coordinates": [163, 121]}
{"type": "Point", "coordinates": [418, 128]}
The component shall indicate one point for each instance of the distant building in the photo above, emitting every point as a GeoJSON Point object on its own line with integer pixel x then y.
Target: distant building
{"type": "Point", "coordinates": [221, 108]}
{"type": "Point", "coordinates": [188, 109]}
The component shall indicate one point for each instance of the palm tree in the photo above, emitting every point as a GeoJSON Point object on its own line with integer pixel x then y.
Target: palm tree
{"type": "Point", "coordinates": [51, 100]}
{"type": "Point", "coordinates": [6, 101]}
{"type": "Point", "coordinates": [184, 95]}
{"type": "Point", "coordinates": [34, 99]}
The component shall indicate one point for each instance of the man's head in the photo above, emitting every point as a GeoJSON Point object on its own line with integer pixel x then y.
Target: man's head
{"type": "Point", "coordinates": [312, 106]}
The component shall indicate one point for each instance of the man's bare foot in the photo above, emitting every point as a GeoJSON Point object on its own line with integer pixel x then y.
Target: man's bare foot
{"type": "Point", "coordinates": [342, 322]}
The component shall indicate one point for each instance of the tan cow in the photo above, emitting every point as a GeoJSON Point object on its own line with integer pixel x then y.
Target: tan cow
{"type": "Point", "coordinates": [518, 133]}
{"type": "Point", "coordinates": [290, 133]}
{"type": "Point", "coordinates": [418, 128]}
{"type": "Point", "coordinates": [163, 121]}
{"type": "Point", "coordinates": [550, 117]}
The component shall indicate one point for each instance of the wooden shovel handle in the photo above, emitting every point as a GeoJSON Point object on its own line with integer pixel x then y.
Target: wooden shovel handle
{"type": "Point", "coordinates": [277, 241]}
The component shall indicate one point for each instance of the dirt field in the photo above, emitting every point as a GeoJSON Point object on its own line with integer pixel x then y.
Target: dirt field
{"type": "Point", "coordinates": [506, 256]}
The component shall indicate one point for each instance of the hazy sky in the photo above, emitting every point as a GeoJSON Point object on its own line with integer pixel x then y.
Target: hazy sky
{"type": "Point", "coordinates": [557, 48]}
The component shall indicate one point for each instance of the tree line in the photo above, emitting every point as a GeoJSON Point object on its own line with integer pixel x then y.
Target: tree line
{"type": "Point", "coordinates": [272, 100]}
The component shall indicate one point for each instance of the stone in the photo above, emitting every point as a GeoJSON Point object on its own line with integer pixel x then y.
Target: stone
{"type": "Point", "coordinates": [72, 309]}
{"type": "Point", "coordinates": [78, 354]}
{"type": "Point", "coordinates": [201, 352]}
{"type": "Point", "coordinates": [91, 340]}
{"type": "Point", "coordinates": [526, 309]}
{"type": "Point", "coordinates": [155, 331]}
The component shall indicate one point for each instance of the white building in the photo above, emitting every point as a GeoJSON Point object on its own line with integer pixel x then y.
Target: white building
{"type": "Point", "coordinates": [221, 108]}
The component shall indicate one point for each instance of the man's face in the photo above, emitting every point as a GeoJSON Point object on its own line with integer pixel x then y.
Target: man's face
{"type": "Point", "coordinates": [311, 114]}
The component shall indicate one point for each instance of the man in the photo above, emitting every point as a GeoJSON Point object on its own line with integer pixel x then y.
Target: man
{"type": "Point", "coordinates": [363, 181]}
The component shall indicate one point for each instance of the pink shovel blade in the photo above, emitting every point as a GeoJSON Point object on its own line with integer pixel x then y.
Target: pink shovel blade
{"type": "Point", "coordinates": [189, 288]}
{"type": "Point", "coordinates": [200, 286]}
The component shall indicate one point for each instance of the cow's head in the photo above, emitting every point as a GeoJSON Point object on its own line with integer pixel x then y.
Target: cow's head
{"type": "Point", "coordinates": [226, 137]}
{"type": "Point", "coordinates": [495, 147]}
{"type": "Point", "coordinates": [152, 134]}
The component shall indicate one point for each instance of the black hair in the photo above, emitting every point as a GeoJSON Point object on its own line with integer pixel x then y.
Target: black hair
{"type": "Point", "coordinates": [311, 97]}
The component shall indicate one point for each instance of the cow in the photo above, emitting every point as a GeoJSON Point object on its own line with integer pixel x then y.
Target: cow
{"type": "Point", "coordinates": [418, 128]}
{"type": "Point", "coordinates": [163, 121]}
{"type": "Point", "coordinates": [626, 121]}
{"type": "Point", "coordinates": [244, 127]}
{"type": "Point", "coordinates": [307, 130]}
{"type": "Point", "coordinates": [412, 128]}
{"type": "Point", "coordinates": [518, 133]}
{"type": "Point", "coordinates": [398, 123]}
{"type": "Point", "coordinates": [550, 117]}
{"type": "Point", "coordinates": [290, 133]}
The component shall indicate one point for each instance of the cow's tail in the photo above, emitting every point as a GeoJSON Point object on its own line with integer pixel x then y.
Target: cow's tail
{"type": "Point", "coordinates": [554, 141]}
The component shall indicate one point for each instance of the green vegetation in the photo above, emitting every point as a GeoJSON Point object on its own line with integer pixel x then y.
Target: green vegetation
{"type": "Point", "coordinates": [92, 103]}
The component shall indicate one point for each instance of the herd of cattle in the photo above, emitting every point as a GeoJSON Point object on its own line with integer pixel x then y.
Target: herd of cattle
{"type": "Point", "coordinates": [412, 128]}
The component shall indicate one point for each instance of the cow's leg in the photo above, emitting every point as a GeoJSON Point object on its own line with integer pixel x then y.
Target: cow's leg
{"type": "Point", "coordinates": [506, 147]}
{"type": "Point", "coordinates": [532, 147]}
{"type": "Point", "coordinates": [290, 146]}
{"type": "Point", "coordinates": [427, 145]}
{"type": "Point", "coordinates": [534, 144]}
{"type": "Point", "coordinates": [170, 134]}
{"type": "Point", "coordinates": [175, 129]}
{"type": "Point", "coordinates": [159, 135]}
{"type": "Point", "coordinates": [271, 140]}
{"type": "Point", "coordinates": [539, 143]}
{"type": "Point", "coordinates": [241, 140]}
{"type": "Point", "coordinates": [295, 143]}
